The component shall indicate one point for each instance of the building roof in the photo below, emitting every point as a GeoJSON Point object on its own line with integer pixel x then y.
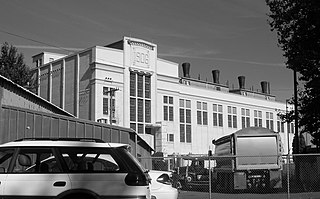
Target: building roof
{"type": "Point", "coordinates": [28, 96]}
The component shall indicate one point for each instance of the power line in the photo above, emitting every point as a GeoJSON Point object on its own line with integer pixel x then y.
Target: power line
{"type": "Point", "coordinates": [16, 35]}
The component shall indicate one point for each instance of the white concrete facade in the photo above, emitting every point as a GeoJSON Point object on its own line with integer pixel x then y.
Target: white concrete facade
{"type": "Point", "coordinates": [143, 82]}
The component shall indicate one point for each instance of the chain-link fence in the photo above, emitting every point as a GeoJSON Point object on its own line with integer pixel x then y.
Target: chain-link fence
{"type": "Point", "coordinates": [203, 176]}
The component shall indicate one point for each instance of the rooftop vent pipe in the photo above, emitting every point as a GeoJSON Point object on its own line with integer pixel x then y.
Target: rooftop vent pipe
{"type": "Point", "coordinates": [215, 75]}
{"type": "Point", "coordinates": [186, 69]}
{"type": "Point", "coordinates": [264, 87]}
{"type": "Point", "coordinates": [241, 80]}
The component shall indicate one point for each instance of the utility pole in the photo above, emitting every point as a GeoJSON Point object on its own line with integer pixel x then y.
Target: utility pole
{"type": "Point", "coordinates": [296, 117]}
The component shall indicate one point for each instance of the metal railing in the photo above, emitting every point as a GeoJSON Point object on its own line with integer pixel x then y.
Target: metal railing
{"type": "Point", "coordinates": [299, 177]}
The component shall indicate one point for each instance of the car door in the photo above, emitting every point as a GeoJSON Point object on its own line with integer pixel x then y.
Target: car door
{"type": "Point", "coordinates": [5, 158]}
{"type": "Point", "coordinates": [36, 172]}
{"type": "Point", "coordinates": [99, 171]}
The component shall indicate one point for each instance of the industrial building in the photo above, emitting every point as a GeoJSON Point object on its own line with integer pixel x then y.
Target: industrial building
{"type": "Point", "coordinates": [126, 84]}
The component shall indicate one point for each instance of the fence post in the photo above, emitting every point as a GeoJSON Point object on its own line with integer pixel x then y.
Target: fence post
{"type": "Point", "coordinates": [288, 176]}
{"type": "Point", "coordinates": [210, 179]}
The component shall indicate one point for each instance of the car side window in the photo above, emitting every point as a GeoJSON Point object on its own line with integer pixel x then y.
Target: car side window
{"type": "Point", "coordinates": [36, 160]}
{"type": "Point", "coordinates": [90, 161]}
{"type": "Point", "coordinates": [5, 159]}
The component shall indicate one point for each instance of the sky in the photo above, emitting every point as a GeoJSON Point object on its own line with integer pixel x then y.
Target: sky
{"type": "Point", "coordinates": [232, 36]}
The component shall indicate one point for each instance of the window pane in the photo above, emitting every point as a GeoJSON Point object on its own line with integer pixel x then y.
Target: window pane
{"type": "Point", "coordinates": [140, 129]}
{"type": "Point", "coordinates": [132, 84]}
{"type": "Point", "coordinates": [165, 113]}
{"type": "Point", "coordinates": [133, 126]}
{"type": "Point", "coordinates": [181, 103]}
{"type": "Point", "coordinates": [229, 109]}
{"type": "Point", "coordinates": [234, 110]}
{"type": "Point", "coordinates": [220, 120]}
{"type": "Point", "coordinates": [105, 90]}
{"type": "Point", "coordinates": [140, 85]}
{"type": "Point", "coordinates": [204, 106]}
{"type": "Point", "coordinates": [133, 109]}
{"type": "Point", "coordinates": [105, 106]}
{"type": "Point", "coordinates": [147, 86]}
{"type": "Point", "coordinates": [182, 133]}
{"type": "Point", "coordinates": [188, 133]}
{"type": "Point", "coordinates": [165, 99]}
{"type": "Point", "coordinates": [170, 113]}
{"type": "Point", "coordinates": [205, 118]}
{"type": "Point", "coordinates": [170, 100]}
{"type": "Point", "coordinates": [199, 118]}
{"type": "Point", "coordinates": [214, 107]}
{"type": "Point", "coordinates": [147, 111]}
{"type": "Point", "coordinates": [188, 116]}
{"type": "Point", "coordinates": [188, 104]}
{"type": "Point", "coordinates": [229, 121]}
{"type": "Point", "coordinates": [215, 119]}
{"type": "Point", "coordinates": [140, 110]}
{"type": "Point", "coordinates": [247, 112]}
{"type": "Point", "coordinates": [181, 115]}
{"type": "Point", "coordinates": [234, 121]}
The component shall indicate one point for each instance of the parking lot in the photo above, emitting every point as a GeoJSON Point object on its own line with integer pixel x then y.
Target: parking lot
{"type": "Point", "coordinates": [205, 195]}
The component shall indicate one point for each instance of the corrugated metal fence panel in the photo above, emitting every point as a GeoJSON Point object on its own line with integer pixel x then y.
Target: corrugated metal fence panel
{"type": "Point", "coordinates": [19, 123]}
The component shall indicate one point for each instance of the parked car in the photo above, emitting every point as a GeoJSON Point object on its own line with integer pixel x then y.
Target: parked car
{"type": "Point", "coordinates": [195, 175]}
{"type": "Point", "coordinates": [161, 185]}
{"type": "Point", "coordinates": [71, 168]}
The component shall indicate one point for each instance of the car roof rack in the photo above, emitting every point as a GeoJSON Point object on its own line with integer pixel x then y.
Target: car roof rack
{"type": "Point", "coordinates": [62, 139]}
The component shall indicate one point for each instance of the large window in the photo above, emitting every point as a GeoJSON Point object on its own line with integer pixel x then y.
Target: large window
{"type": "Point", "coordinates": [202, 113]}
{"type": "Point", "coordinates": [108, 104]}
{"type": "Point", "coordinates": [245, 117]}
{"type": "Point", "coordinates": [217, 115]}
{"type": "Point", "coordinates": [185, 120]}
{"type": "Point", "coordinates": [167, 108]}
{"type": "Point", "coordinates": [257, 118]}
{"type": "Point", "coordinates": [140, 100]}
{"type": "Point", "coordinates": [269, 120]}
{"type": "Point", "coordinates": [232, 117]}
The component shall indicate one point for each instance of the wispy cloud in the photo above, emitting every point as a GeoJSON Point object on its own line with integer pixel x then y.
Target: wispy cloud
{"type": "Point", "coordinates": [47, 47]}
{"type": "Point", "coordinates": [205, 56]}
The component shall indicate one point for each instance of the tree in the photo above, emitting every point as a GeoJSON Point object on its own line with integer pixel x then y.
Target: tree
{"type": "Point", "coordinates": [298, 29]}
{"type": "Point", "coordinates": [12, 66]}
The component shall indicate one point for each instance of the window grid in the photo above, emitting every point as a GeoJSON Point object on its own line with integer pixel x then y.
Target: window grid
{"type": "Point", "coordinates": [185, 120]}
{"type": "Point", "coordinates": [257, 118]}
{"type": "Point", "coordinates": [108, 102]}
{"type": "Point", "coordinates": [217, 115]}
{"type": "Point", "coordinates": [232, 117]}
{"type": "Point", "coordinates": [202, 113]}
{"type": "Point", "coordinates": [140, 103]}
{"type": "Point", "coordinates": [269, 120]}
{"type": "Point", "coordinates": [245, 117]}
{"type": "Point", "coordinates": [168, 108]}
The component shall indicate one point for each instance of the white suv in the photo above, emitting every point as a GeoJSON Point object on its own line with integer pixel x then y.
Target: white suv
{"type": "Point", "coordinates": [70, 168]}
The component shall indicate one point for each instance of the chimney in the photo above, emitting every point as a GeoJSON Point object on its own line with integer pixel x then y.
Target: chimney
{"type": "Point", "coordinates": [264, 87]}
{"type": "Point", "coordinates": [241, 80]}
{"type": "Point", "coordinates": [269, 88]}
{"type": "Point", "coordinates": [215, 75]}
{"type": "Point", "coordinates": [186, 69]}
